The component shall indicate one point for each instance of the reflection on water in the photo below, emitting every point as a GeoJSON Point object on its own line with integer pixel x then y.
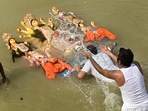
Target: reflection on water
{"type": "Point", "coordinates": [30, 90]}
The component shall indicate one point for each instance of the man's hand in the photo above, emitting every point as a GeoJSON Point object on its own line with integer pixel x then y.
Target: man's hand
{"type": "Point", "coordinates": [87, 54]}
{"type": "Point", "coordinates": [104, 49]}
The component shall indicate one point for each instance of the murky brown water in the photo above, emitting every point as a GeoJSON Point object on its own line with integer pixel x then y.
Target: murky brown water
{"type": "Point", "coordinates": [30, 90]}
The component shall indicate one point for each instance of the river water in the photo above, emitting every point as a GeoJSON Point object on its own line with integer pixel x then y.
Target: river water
{"type": "Point", "coordinates": [30, 90]}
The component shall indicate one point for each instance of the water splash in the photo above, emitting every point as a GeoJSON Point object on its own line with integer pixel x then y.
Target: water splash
{"type": "Point", "coordinates": [79, 85]}
{"type": "Point", "coordinates": [112, 100]}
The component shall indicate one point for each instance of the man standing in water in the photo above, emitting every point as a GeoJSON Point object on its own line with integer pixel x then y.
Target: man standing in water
{"type": "Point", "coordinates": [4, 78]}
{"type": "Point", "coordinates": [129, 79]}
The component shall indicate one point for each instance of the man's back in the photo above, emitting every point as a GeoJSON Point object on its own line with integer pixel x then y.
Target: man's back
{"type": "Point", "coordinates": [136, 93]}
{"type": "Point", "coordinates": [104, 61]}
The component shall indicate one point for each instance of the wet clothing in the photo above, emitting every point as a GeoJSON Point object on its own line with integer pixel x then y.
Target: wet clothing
{"type": "Point", "coordinates": [104, 61]}
{"type": "Point", "coordinates": [55, 67]}
{"type": "Point", "coordinates": [134, 94]}
{"type": "Point", "coordinates": [96, 33]}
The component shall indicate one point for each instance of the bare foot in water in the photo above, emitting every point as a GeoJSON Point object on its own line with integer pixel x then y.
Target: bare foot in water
{"type": "Point", "coordinates": [5, 81]}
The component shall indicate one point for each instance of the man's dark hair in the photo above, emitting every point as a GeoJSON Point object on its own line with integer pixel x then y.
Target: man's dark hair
{"type": "Point", "coordinates": [126, 56]}
{"type": "Point", "coordinates": [92, 49]}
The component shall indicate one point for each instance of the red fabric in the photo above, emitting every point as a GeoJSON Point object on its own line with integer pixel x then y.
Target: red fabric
{"type": "Point", "coordinates": [55, 67]}
{"type": "Point", "coordinates": [101, 32]}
